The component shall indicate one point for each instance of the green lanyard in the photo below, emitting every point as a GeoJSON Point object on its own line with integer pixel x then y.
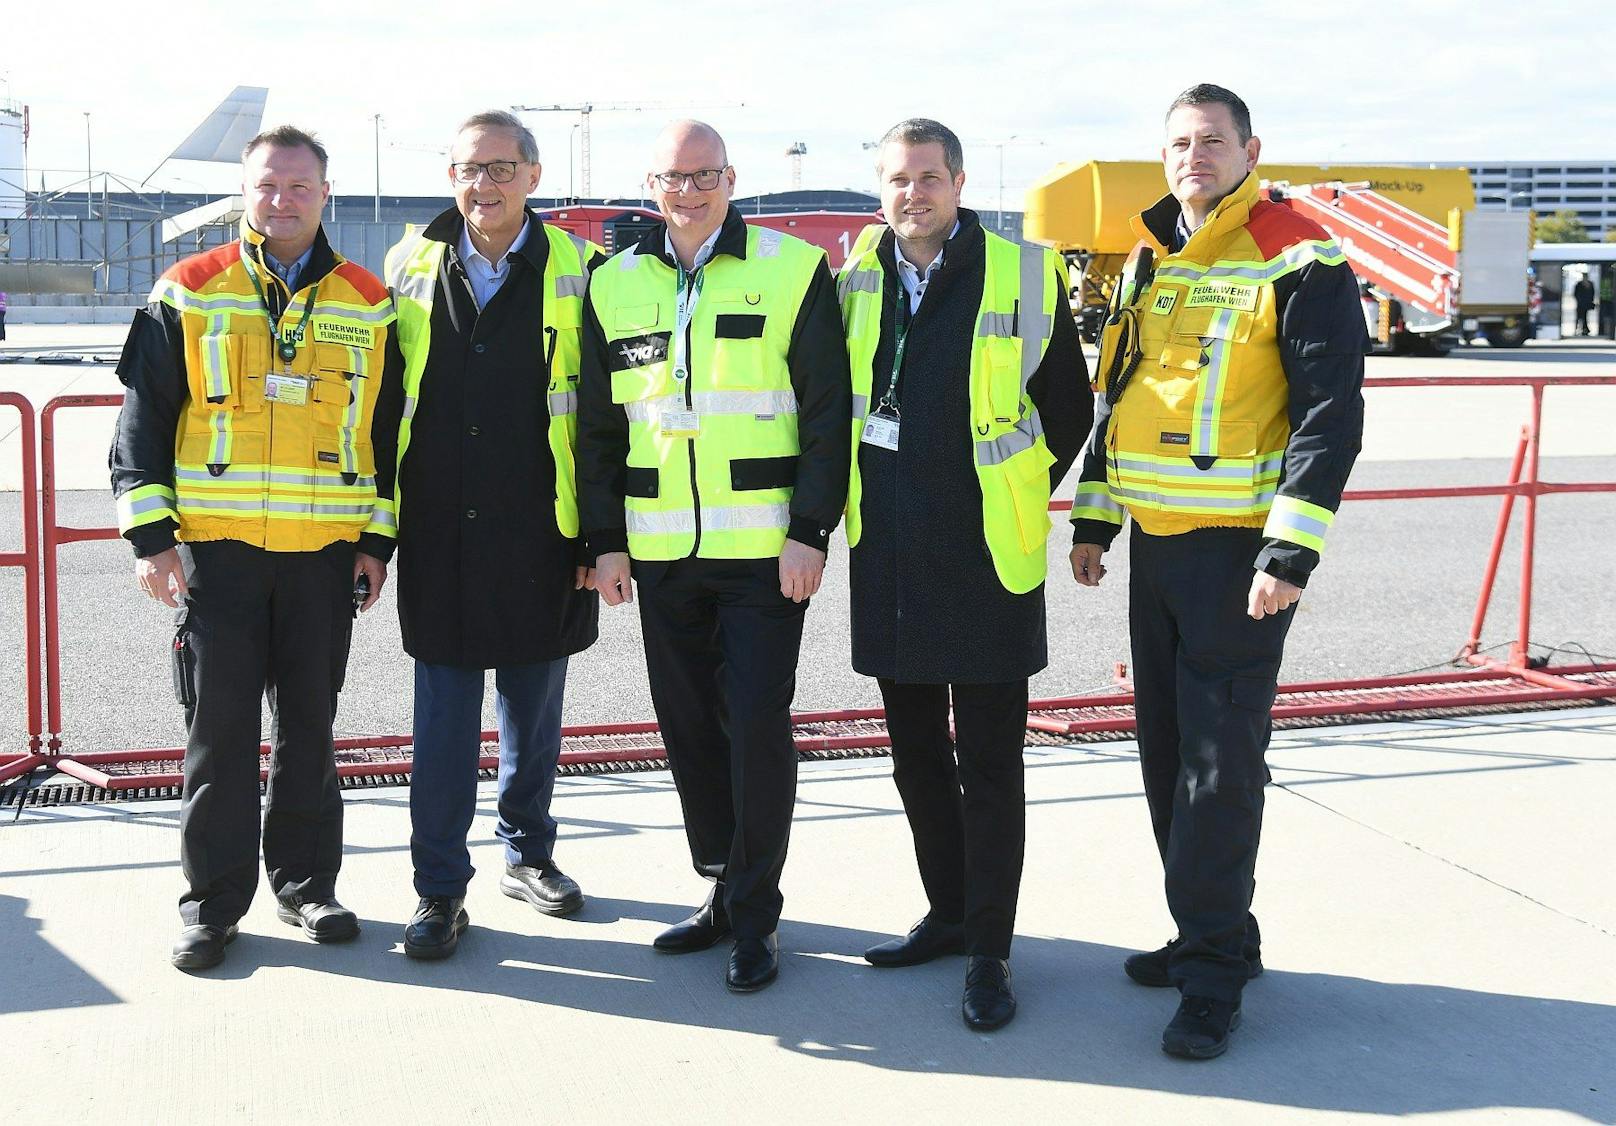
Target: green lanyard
{"type": "Point", "coordinates": [285, 346]}
{"type": "Point", "coordinates": [684, 310]}
{"type": "Point", "coordinates": [900, 325]}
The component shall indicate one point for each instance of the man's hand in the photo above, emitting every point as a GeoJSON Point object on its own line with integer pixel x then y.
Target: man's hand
{"type": "Point", "coordinates": [584, 579]}
{"type": "Point", "coordinates": [1086, 566]}
{"type": "Point", "coordinates": [801, 568]}
{"type": "Point", "coordinates": [1270, 595]}
{"type": "Point", "coordinates": [373, 569]}
{"type": "Point", "coordinates": [612, 578]}
{"type": "Point", "coordinates": [162, 577]}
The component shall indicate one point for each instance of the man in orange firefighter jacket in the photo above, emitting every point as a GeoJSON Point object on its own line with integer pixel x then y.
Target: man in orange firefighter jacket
{"type": "Point", "coordinates": [1230, 414]}
{"type": "Point", "coordinates": [245, 435]}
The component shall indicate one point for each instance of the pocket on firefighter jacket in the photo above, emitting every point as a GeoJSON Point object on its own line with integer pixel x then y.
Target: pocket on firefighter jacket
{"type": "Point", "coordinates": [183, 660]}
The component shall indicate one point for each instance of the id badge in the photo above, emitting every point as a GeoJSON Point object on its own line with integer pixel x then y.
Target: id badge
{"type": "Point", "coordinates": [681, 424]}
{"type": "Point", "coordinates": [881, 430]}
{"type": "Point", "coordinates": [286, 389]}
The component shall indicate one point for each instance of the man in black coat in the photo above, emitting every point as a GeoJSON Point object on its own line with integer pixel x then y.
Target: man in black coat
{"type": "Point", "coordinates": [492, 572]}
{"type": "Point", "coordinates": [938, 558]}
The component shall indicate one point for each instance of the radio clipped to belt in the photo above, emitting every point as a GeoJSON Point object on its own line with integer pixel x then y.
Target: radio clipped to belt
{"type": "Point", "coordinates": [1120, 347]}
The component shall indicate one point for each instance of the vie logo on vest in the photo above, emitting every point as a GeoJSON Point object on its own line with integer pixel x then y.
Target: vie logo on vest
{"type": "Point", "coordinates": [639, 351]}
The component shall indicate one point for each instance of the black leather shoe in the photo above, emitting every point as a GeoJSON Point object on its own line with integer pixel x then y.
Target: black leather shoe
{"type": "Point", "coordinates": [1201, 1027]}
{"type": "Point", "coordinates": [926, 940]}
{"type": "Point", "coordinates": [549, 889]}
{"type": "Point", "coordinates": [435, 930]}
{"type": "Point", "coordinates": [324, 920]}
{"type": "Point", "coordinates": [709, 924]}
{"type": "Point", "coordinates": [1150, 968]}
{"type": "Point", "coordinates": [753, 963]}
{"type": "Point", "coordinates": [201, 947]}
{"type": "Point", "coordinates": [989, 1002]}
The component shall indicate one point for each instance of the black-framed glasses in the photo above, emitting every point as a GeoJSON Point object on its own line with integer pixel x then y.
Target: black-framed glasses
{"type": "Point", "coordinates": [705, 179]}
{"type": "Point", "coordinates": [499, 171]}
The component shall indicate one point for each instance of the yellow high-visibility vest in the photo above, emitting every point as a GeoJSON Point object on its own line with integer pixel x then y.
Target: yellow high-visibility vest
{"type": "Point", "coordinates": [412, 274]}
{"type": "Point", "coordinates": [1013, 329]}
{"type": "Point", "coordinates": [722, 489]}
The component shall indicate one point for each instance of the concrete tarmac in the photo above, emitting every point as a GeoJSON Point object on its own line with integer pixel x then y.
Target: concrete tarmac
{"type": "Point", "coordinates": [1435, 899]}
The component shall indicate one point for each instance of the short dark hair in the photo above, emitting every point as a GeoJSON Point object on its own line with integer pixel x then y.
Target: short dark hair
{"type": "Point", "coordinates": [1205, 94]}
{"type": "Point", "coordinates": [527, 147]}
{"type": "Point", "coordinates": [288, 137]}
{"type": "Point", "coordinates": [925, 131]}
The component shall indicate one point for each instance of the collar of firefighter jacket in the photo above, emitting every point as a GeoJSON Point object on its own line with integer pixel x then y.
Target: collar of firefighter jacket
{"type": "Point", "coordinates": [1155, 224]}
{"type": "Point", "coordinates": [322, 258]}
{"type": "Point", "coordinates": [731, 240]}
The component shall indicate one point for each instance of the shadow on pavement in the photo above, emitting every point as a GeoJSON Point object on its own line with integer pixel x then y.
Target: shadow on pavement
{"type": "Point", "coordinates": [1315, 1041]}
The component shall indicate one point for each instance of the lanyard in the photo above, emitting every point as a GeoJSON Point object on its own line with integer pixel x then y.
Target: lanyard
{"type": "Point", "coordinates": [285, 346]}
{"type": "Point", "coordinates": [689, 293]}
{"type": "Point", "coordinates": [900, 326]}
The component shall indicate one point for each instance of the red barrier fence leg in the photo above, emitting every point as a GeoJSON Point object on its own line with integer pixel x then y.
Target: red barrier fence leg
{"type": "Point", "coordinates": [1496, 554]}
{"type": "Point", "coordinates": [1520, 654]}
{"type": "Point", "coordinates": [28, 561]}
{"type": "Point", "coordinates": [53, 535]}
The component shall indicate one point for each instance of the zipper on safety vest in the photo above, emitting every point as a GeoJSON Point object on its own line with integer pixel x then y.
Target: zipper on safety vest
{"type": "Point", "coordinates": [690, 405]}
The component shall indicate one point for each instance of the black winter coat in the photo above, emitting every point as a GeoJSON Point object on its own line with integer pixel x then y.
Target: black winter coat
{"type": "Point", "coordinates": [927, 605]}
{"type": "Point", "coordinates": [485, 578]}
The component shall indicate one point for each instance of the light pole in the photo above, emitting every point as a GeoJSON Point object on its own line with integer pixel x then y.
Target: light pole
{"type": "Point", "coordinates": [377, 119]}
{"type": "Point", "coordinates": [1001, 145]}
{"type": "Point", "coordinates": [89, 175]}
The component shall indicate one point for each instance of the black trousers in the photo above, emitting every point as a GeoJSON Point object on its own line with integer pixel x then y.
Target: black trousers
{"type": "Point", "coordinates": [968, 817]}
{"type": "Point", "coordinates": [260, 621]}
{"type": "Point", "coordinates": [721, 646]}
{"type": "Point", "coordinates": [1204, 676]}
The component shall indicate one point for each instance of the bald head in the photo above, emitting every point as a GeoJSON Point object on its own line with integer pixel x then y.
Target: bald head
{"type": "Point", "coordinates": [688, 145]}
{"type": "Point", "coordinates": [691, 181]}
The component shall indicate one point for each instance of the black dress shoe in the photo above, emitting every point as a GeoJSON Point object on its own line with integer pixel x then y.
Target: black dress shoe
{"type": "Point", "coordinates": [435, 930]}
{"type": "Point", "coordinates": [989, 1002]}
{"type": "Point", "coordinates": [547, 888]}
{"type": "Point", "coordinates": [201, 946]}
{"type": "Point", "coordinates": [1150, 967]}
{"type": "Point", "coordinates": [324, 920]}
{"type": "Point", "coordinates": [753, 963]}
{"type": "Point", "coordinates": [709, 924]}
{"type": "Point", "coordinates": [926, 940]}
{"type": "Point", "coordinates": [1201, 1027]}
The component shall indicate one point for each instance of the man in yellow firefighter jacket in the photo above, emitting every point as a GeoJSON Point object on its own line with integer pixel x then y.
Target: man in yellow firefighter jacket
{"type": "Point", "coordinates": [713, 452]}
{"type": "Point", "coordinates": [970, 402]}
{"type": "Point", "coordinates": [245, 435]}
{"type": "Point", "coordinates": [1230, 414]}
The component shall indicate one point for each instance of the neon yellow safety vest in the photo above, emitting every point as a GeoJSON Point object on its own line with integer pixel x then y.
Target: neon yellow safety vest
{"type": "Point", "coordinates": [1197, 438]}
{"type": "Point", "coordinates": [270, 452]}
{"type": "Point", "coordinates": [412, 274]}
{"type": "Point", "coordinates": [1013, 328]}
{"type": "Point", "coordinates": [723, 491]}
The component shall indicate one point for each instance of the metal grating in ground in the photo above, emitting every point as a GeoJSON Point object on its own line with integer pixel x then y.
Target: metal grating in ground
{"type": "Point", "coordinates": [630, 748]}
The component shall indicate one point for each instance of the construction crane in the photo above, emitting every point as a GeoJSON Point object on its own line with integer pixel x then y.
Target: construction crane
{"type": "Point", "coordinates": [585, 110]}
{"type": "Point", "coordinates": [796, 152]}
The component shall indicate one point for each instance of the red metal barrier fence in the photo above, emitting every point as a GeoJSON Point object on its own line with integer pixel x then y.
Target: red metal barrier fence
{"type": "Point", "coordinates": [1516, 680]}
{"type": "Point", "coordinates": [12, 765]}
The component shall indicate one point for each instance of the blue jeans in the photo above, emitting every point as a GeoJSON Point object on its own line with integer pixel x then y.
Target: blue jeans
{"type": "Point", "coordinates": [443, 782]}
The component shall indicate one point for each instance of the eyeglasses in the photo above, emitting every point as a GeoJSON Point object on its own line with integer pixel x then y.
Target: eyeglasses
{"type": "Point", "coordinates": [705, 179]}
{"type": "Point", "coordinates": [499, 171]}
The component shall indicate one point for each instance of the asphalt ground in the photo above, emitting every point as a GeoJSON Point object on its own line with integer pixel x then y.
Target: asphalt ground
{"type": "Point", "coordinates": [1396, 592]}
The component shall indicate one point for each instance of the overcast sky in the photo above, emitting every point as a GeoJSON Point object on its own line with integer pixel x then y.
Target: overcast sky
{"type": "Point", "coordinates": [1332, 83]}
